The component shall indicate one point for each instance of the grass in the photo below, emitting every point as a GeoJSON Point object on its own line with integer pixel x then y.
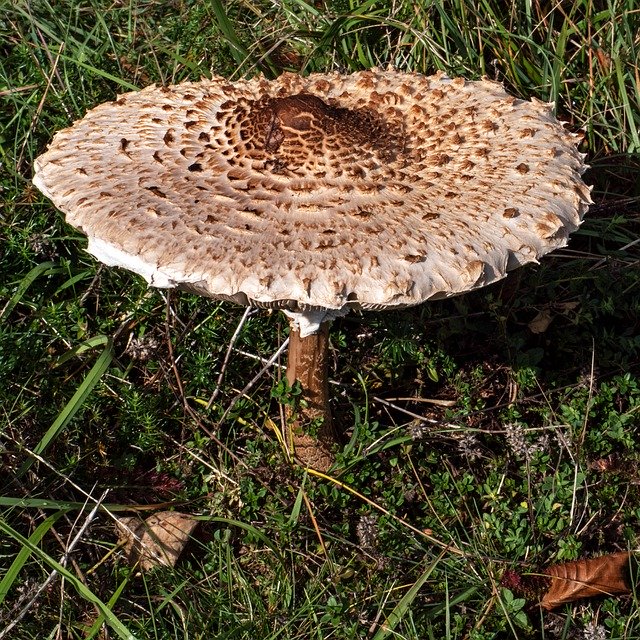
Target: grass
{"type": "Point", "coordinates": [495, 431]}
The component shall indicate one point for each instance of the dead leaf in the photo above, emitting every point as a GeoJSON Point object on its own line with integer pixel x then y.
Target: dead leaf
{"type": "Point", "coordinates": [157, 541]}
{"type": "Point", "coordinates": [541, 322]}
{"type": "Point", "coordinates": [566, 307]}
{"type": "Point", "coordinates": [545, 316]}
{"type": "Point", "coordinates": [610, 463]}
{"type": "Point", "coordinates": [603, 59]}
{"type": "Point", "coordinates": [606, 575]}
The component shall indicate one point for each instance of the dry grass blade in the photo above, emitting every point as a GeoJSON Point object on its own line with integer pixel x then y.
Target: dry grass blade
{"type": "Point", "coordinates": [570, 581]}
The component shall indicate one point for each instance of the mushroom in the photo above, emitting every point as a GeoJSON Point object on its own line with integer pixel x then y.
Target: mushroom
{"type": "Point", "coordinates": [317, 195]}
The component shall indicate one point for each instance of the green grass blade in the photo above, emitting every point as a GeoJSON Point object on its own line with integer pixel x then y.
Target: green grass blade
{"type": "Point", "coordinates": [86, 273]}
{"type": "Point", "coordinates": [11, 575]}
{"type": "Point", "coordinates": [95, 627]}
{"type": "Point", "coordinates": [239, 52]}
{"type": "Point", "coordinates": [91, 343]}
{"type": "Point", "coordinates": [68, 505]}
{"type": "Point", "coordinates": [628, 110]}
{"type": "Point", "coordinates": [451, 602]}
{"type": "Point", "coordinates": [73, 406]}
{"type": "Point", "coordinates": [99, 72]}
{"type": "Point", "coordinates": [297, 506]}
{"type": "Point", "coordinates": [557, 70]}
{"type": "Point", "coordinates": [400, 610]}
{"type": "Point", "coordinates": [44, 269]}
{"type": "Point", "coordinates": [77, 584]}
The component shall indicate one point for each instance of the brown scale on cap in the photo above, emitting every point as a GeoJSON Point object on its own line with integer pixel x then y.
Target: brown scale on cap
{"type": "Point", "coordinates": [379, 189]}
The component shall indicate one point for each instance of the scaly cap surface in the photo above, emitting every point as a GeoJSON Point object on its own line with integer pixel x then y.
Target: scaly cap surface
{"type": "Point", "coordinates": [377, 189]}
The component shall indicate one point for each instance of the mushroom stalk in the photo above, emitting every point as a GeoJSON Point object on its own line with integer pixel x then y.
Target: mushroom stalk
{"type": "Point", "coordinates": [310, 430]}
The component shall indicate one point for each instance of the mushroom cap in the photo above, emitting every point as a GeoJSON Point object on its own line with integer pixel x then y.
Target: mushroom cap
{"type": "Point", "coordinates": [377, 189]}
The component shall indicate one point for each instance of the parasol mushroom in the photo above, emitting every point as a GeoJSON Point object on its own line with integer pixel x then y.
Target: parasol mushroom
{"type": "Point", "coordinates": [318, 195]}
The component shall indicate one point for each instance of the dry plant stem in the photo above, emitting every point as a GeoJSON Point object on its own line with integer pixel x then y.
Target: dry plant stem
{"type": "Point", "coordinates": [268, 363]}
{"type": "Point", "coordinates": [308, 362]}
{"type": "Point", "coordinates": [227, 356]}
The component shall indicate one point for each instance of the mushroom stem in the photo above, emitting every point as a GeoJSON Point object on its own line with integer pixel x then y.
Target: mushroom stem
{"type": "Point", "coordinates": [310, 430]}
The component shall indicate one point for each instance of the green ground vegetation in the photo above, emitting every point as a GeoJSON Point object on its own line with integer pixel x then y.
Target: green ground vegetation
{"type": "Point", "coordinates": [496, 431]}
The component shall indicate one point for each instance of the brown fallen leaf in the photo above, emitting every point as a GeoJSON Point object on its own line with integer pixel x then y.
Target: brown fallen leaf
{"type": "Point", "coordinates": [541, 322]}
{"type": "Point", "coordinates": [606, 575]}
{"type": "Point", "coordinates": [157, 541]}
{"type": "Point", "coordinates": [546, 315]}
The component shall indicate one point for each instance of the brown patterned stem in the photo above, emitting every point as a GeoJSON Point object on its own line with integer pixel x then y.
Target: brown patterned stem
{"type": "Point", "coordinates": [308, 363]}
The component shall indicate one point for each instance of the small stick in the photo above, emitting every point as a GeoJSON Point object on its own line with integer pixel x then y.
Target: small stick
{"type": "Point", "coordinates": [255, 379]}
{"type": "Point", "coordinates": [227, 355]}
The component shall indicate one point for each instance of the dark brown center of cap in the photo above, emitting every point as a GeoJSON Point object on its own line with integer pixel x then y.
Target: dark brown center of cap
{"type": "Point", "coordinates": [307, 124]}
{"type": "Point", "coordinates": [300, 111]}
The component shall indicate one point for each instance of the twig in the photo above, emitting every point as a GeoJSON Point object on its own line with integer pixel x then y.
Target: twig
{"type": "Point", "coordinates": [38, 110]}
{"type": "Point", "coordinates": [255, 379]}
{"type": "Point", "coordinates": [277, 365]}
{"type": "Point", "coordinates": [9, 92]}
{"type": "Point", "coordinates": [227, 355]}
{"type": "Point", "coordinates": [436, 401]}
{"type": "Point", "coordinates": [603, 260]}
{"type": "Point", "coordinates": [416, 416]}
{"type": "Point", "coordinates": [253, 356]}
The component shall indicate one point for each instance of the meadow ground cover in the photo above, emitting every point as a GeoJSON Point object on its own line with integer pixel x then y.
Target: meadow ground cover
{"type": "Point", "coordinates": [489, 435]}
